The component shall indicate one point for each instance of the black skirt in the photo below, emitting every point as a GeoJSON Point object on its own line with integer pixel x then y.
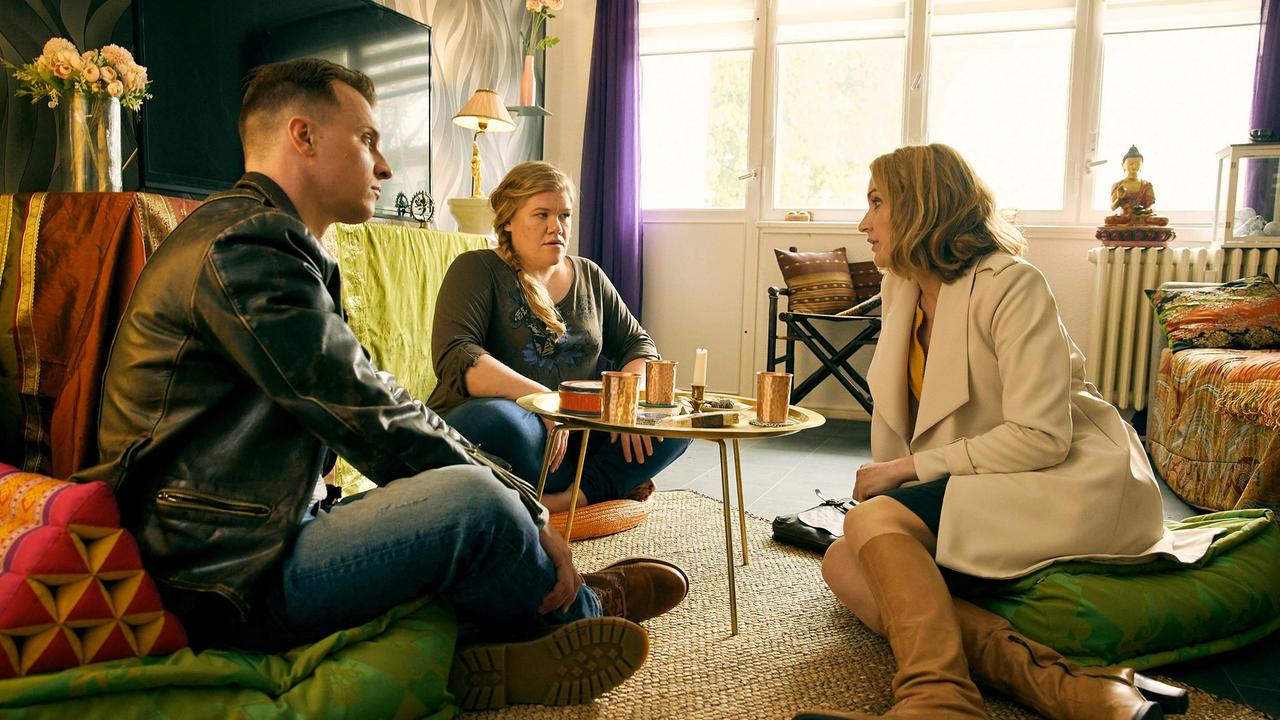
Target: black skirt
{"type": "Point", "coordinates": [923, 499]}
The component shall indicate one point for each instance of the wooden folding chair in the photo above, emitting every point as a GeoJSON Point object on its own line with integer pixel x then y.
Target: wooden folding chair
{"type": "Point", "coordinates": [804, 328]}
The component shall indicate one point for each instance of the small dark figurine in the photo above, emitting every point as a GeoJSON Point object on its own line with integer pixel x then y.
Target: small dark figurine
{"type": "Point", "coordinates": [422, 208]}
{"type": "Point", "coordinates": [402, 205]}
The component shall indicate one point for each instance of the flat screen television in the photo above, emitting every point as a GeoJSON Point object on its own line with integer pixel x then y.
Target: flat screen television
{"type": "Point", "coordinates": [198, 53]}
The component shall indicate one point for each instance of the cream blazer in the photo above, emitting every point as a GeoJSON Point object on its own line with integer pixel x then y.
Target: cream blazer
{"type": "Point", "coordinates": [1041, 467]}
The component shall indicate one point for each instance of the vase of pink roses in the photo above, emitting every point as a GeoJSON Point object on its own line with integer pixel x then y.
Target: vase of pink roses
{"type": "Point", "coordinates": [539, 13]}
{"type": "Point", "coordinates": [85, 91]}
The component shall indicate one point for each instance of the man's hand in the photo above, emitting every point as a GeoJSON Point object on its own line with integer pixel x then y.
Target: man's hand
{"type": "Point", "coordinates": [878, 478]}
{"type": "Point", "coordinates": [635, 448]}
{"type": "Point", "coordinates": [567, 577]}
{"type": "Point", "coordinates": [561, 442]}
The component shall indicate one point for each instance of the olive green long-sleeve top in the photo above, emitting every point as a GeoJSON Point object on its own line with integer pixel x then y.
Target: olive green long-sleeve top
{"type": "Point", "coordinates": [481, 310]}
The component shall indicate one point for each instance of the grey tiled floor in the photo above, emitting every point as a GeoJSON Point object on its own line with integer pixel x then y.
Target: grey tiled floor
{"type": "Point", "coordinates": [779, 476]}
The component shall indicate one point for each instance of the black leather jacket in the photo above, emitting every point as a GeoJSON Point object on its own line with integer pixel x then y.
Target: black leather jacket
{"type": "Point", "coordinates": [232, 372]}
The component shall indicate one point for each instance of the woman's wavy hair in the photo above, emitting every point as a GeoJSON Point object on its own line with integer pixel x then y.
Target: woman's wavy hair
{"type": "Point", "coordinates": [523, 182]}
{"type": "Point", "coordinates": [942, 215]}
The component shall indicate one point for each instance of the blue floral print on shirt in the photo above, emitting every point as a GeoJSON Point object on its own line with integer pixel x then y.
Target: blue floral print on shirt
{"type": "Point", "coordinates": [544, 351]}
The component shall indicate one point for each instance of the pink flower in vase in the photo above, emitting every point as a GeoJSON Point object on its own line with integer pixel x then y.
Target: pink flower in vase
{"type": "Point", "coordinates": [115, 89]}
{"type": "Point", "coordinates": [62, 70]}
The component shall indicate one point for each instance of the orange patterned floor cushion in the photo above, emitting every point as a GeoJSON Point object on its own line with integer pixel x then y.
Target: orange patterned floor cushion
{"type": "Point", "coordinates": [72, 587]}
{"type": "Point", "coordinates": [604, 518]}
{"type": "Point", "coordinates": [1205, 455]}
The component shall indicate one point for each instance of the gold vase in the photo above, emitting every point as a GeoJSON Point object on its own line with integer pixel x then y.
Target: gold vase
{"type": "Point", "coordinates": [87, 157]}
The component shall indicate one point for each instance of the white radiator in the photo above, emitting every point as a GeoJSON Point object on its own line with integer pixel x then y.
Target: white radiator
{"type": "Point", "coordinates": [1120, 323]}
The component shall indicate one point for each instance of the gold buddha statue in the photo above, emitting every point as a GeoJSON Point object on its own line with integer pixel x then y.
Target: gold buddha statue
{"type": "Point", "coordinates": [1133, 197]}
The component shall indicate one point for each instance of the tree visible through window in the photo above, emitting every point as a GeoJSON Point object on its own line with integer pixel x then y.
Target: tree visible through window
{"type": "Point", "coordinates": [839, 105]}
{"type": "Point", "coordinates": [1011, 84]}
{"type": "Point", "coordinates": [694, 112]}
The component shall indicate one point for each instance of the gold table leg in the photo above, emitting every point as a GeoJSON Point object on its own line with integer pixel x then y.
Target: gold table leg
{"type": "Point", "coordinates": [742, 506]}
{"type": "Point", "coordinates": [577, 481]}
{"type": "Point", "coordinates": [546, 457]}
{"type": "Point", "coordinates": [728, 534]}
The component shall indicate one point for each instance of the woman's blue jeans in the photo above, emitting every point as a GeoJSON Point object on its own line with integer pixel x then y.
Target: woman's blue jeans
{"type": "Point", "coordinates": [503, 428]}
{"type": "Point", "coordinates": [455, 532]}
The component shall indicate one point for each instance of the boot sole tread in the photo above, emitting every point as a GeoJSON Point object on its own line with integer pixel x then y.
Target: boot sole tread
{"type": "Point", "coordinates": [572, 664]}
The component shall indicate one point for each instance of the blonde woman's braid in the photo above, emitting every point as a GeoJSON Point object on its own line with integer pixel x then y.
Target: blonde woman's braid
{"type": "Point", "coordinates": [535, 295]}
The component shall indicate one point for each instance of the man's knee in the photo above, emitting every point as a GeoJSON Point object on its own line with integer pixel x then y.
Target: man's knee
{"type": "Point", "coordinates": [488, 493]}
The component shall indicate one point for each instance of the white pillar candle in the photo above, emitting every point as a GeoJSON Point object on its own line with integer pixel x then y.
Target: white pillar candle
{"type": "Point", "coordinates": [700, 367]}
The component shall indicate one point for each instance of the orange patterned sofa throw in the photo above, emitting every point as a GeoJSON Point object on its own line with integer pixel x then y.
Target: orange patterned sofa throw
{"type": "Point", "coordinates": [72, 587]}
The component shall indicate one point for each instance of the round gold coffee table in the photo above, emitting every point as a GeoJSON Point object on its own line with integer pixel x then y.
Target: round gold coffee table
{"type": "Point", "coordinates": [547, 405]}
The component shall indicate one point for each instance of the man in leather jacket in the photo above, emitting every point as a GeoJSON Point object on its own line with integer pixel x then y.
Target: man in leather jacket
{"type": "Point", "coordinates": [233, 380]}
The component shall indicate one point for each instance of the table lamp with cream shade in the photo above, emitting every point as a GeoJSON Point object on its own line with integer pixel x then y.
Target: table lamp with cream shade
{"type": "Point", "coordinates": [484, 112]}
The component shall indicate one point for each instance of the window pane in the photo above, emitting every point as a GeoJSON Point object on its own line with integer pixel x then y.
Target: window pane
{"type": "Point", "coordinates": [1180, 96]}
{"type": "Point", "coordinates": [693, 129]}
{"type": "Point", "coordinates": [1001, 100]}
{"type": "Point", "coordinates": [839, 106]}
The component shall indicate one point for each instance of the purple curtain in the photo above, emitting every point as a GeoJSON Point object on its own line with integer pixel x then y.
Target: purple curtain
{"type": "Point", "coordinates": [609, 230]}
{"type": "Point", "coordinates": [1261, 191]}
{"type": "Point", "coordinates": [1266, 82]}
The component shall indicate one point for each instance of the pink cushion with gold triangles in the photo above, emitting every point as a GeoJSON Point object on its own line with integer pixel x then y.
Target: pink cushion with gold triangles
{"type": "Point", "coordinates": [72, 587]}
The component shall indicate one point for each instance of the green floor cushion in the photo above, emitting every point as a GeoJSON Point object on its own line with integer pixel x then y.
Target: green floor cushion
{"type": "Point", "coordinates": [1154, 613]}
{"type": "Point", "coordinates": [395, 666]}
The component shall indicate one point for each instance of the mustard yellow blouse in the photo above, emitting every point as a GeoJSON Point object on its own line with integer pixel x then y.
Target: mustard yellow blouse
{"type": "Point", "coordinates": [915, 358]}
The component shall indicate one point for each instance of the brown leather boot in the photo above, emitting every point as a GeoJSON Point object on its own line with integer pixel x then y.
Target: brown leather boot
{"type": "Point", "coordinates": [639, 588]}
{"type": "Point", "coordinates": [1039, 677]}
{"type": "Point", "coordinates": [920, 623]}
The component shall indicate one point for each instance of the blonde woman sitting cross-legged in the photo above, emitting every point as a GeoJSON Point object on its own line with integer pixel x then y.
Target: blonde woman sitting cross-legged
{"type": "Point", "coordinates": [525, 317]}
{"type": "Point", "coordinates": [993, 457]}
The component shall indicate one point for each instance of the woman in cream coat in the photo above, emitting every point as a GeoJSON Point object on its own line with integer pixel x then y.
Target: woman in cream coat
{"type": "Point", "coordinates": [993, 457]}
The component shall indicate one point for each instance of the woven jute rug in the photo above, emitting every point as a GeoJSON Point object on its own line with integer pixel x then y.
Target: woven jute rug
{"type": "Point", "coordinates": [797, 648]}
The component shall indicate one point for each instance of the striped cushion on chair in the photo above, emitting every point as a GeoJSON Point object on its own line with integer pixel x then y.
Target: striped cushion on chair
{"type": "Point", "coordinates": [819, 281]}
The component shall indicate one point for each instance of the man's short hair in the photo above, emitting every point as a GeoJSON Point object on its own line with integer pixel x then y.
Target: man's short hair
{"type": "Point", "coordinates": [306, 81]}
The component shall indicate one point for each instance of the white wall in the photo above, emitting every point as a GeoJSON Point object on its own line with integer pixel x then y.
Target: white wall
{"type": "Point", "coordinates": [693, 279]}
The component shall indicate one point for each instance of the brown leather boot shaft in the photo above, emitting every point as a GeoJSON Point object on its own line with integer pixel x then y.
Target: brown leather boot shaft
{"type": "Point", "coordinates": [919, 620]}
{"type": "Point", "coordinates": [1041, 678]}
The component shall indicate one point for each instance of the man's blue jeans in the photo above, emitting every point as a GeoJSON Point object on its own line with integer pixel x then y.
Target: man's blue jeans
{"type": "Point", "coordinates": [455, 532]}
{"type": "Point", "coordinates": [503, 428]}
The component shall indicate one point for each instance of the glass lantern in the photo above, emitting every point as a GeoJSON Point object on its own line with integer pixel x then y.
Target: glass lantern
{"type": "Point", "coordinates": [1247, 210]}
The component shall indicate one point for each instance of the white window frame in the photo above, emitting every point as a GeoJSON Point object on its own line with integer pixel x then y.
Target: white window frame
{"type": "Point", "coordinates": [1083, 109]}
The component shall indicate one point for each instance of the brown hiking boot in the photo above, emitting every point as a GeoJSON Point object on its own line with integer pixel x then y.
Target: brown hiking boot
{"type": "Point", "coordinates": [572, 664]}
{"type": "Point", "coordinates": [639, 588]}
